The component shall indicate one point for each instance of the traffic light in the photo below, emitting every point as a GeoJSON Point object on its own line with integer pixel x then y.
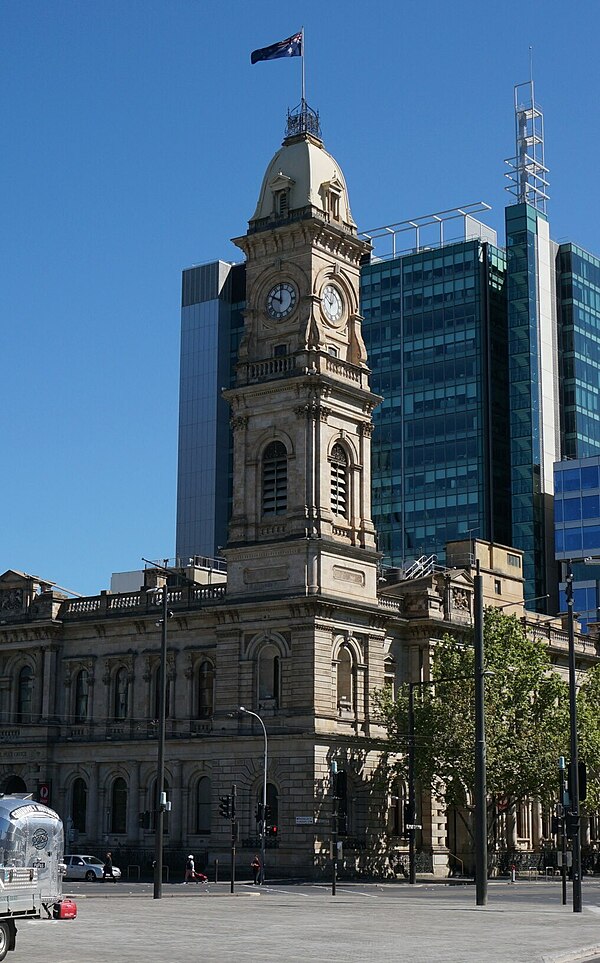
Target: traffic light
{"type": "Point", "coordinates": [258, 813]}
{"type": "Point", "coordinates": [225, 806]}
{"type": "Point", "coordinates": [267, 813]}
{"type": "Point", "coordinates": [271, 830]}
{"type": "Point", "coordinates": [582, 772]}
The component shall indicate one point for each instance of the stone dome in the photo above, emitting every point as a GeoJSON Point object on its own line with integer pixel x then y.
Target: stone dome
{"type": "Point", "coordinates": [303, 174]}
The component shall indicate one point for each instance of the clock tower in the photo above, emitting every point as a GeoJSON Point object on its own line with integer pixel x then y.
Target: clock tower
{"type": "Point", "coordinates": [301, 406]}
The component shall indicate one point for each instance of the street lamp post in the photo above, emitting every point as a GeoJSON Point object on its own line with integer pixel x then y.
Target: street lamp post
{"type": "Point", "coordinates": [481, 885]}
{"type": "Point", "coordinates": [263, 834]}
{"type": "Point", "coordinates": [574, 762]}
{"type": "Point", "coordinates": [160, 771]}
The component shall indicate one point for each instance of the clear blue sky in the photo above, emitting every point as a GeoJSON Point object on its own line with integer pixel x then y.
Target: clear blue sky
{"type": "Point", "coordinates": [135, 137]}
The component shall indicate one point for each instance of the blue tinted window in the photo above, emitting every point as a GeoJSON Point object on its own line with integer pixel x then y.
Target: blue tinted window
{"type": "Point", "coordinates": [559, 540]}
{"type": "Point", "coordinates": [571, 481]}
{"type": "Point", "coordinates": [590, 506]}
{"type": "Point", "coordinates": [572, 509]}
{"type": "Point", "coordinates": [591, 537]}
{"type": "Point", "coordinates": [589, 477]}
{"type": "Point", "coordinates": [572, 539]}
{"type": "Point", "coordinates": [558, 510]}
{"type": "Point", "coordinates": [558, 481]}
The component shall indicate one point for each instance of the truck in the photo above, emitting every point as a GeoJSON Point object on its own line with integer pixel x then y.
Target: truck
{"type": "Point", "coordinates": [31, 865]}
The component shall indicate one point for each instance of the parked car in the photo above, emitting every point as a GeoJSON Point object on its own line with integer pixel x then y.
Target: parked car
{"type": "Point", "coordinates": [87, 867]}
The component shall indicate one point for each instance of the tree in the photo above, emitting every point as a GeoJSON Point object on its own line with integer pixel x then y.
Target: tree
{"type": "Point", "coordinates": [527, 717]}
{"type": "Point", "coordinates": [588, 727]}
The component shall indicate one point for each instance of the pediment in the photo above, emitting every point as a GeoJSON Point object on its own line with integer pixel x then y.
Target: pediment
{"type": "Point", "coordinates": [281, 183]}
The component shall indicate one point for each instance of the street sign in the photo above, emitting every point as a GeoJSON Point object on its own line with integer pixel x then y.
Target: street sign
{"type": "Point", "coordinates": [414, 826]}
{"type": "Point", "coordinates": [304, 820]}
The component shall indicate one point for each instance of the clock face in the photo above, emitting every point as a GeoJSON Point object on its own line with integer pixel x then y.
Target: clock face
{"type": "Point", "coordinates": [281, 300]}
{"type": "Point", "coordinates": [332, 303]}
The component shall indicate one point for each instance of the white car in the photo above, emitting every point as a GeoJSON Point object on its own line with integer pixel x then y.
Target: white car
{"type": "Point", "coordinates": [87, 867]}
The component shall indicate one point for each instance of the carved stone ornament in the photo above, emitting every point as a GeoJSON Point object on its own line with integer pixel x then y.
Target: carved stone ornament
{"type": "Point", "coordinates": [240, 421]}
{"type": "Point", "coordinates": [11, 600]}
{"type": "Point", "coordinates": [460, 599]}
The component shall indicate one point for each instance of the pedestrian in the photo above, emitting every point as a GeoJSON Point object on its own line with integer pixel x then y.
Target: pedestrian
{"type": "Point", "coordinates": [190, 870]}
{"type": "Point", "coordinates": [256, 868]}
{"type": "Point", "coordinates": [107, 870]}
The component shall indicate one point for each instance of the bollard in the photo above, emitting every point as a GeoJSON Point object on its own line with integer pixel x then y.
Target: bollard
{"type": "Point", "coordinates": [513, 873]}
{"type": "Point", "coordinates": [216, 870]}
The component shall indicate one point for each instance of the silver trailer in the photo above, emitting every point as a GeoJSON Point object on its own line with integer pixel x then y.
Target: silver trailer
{"type": "Point", "coordinates": [31, 863]}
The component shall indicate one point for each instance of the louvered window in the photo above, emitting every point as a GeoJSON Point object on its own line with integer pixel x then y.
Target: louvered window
{"type": "Point", "coordinates": [274, 491]}
{"type": "Point", "coordinates": [339, 481]}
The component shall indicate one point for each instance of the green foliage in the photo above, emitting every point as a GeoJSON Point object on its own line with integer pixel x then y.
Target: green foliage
{"type": "Point", "coordinates": [588, 726]}
{"type": "Point", "coordinates": [526, 717]}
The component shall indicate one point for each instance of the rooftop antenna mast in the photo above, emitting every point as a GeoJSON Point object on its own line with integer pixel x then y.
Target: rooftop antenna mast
{"type": "Point", "coordinates": [528, 173]}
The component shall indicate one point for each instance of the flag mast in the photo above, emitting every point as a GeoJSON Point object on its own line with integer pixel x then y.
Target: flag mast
{"type": "Point", "coordinates": [303, 77]}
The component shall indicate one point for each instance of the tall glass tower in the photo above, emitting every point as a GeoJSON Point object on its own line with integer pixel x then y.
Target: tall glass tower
{"type": "Point", "coordinates": [211, 325]}
{"type": "Point", "coordinates": [434, 330]}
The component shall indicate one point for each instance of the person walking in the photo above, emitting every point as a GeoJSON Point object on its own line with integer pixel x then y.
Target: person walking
{"type": "Point", "coordinates": [256, 868]}
{"type": "Point", "coordinates": [107, 870]}
{"type": "Point", "coordinates": [190, 870]}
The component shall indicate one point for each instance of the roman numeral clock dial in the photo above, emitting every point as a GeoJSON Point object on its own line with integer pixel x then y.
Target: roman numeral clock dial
{"type": "Point", "coordinates": [281, 300]}
{"type": "Point", "coordinates": [332, 303]}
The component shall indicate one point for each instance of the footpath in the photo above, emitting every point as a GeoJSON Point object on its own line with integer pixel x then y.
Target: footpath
{"type": "Point", "coordinates": [525, 923]}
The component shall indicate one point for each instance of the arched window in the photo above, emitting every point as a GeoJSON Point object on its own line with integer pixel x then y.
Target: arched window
{"type": "Point", "coordinates": [82, 687]}
{"type": "Point", "coordinates": [121, 693]}
{"type": "Point", "coordinates": [274, 479]}
{"type": "Point", "coordinates": [118, 809]}
{"type": "Point", "coordinates": [25, 694]}
{"type": "Point", "coordinates": [203, 806]}
{"type": "Point", "coordinates": [206, 690]}
{"type": "Point", "coordinates": [345, 678]}
{"type": "Point", "coordinates": [339, 481]}
{"type": "Point", "coordinates": [79, 805]}
{"type": "Point", "coordinates": [157, 695]}
{"type": "Point", "coordinates": [268, 675]}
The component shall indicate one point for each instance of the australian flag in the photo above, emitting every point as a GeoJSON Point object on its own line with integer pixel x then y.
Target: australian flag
{"type": "Point", "coordinates": [292, 47]}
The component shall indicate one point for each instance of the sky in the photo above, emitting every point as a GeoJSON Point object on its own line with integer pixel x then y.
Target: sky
{"type": "Point", "coordinates": [135, 137]}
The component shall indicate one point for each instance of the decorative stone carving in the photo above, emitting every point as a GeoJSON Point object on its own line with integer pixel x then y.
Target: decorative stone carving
{"type": "Point", "coordinates": [12, 600]}
{"type": "Point", "coordinates": [460, 599]}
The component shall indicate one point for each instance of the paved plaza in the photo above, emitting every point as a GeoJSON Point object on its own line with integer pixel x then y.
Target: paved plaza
{"type": "Point", "coordinates": [525, 923]}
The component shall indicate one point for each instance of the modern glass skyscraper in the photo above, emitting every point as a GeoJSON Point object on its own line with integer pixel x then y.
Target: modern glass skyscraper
{"type": "Point", "coordinates": [434, 330]}
{"type": "Point", "coordinates": [578, 288]}
{"type": "Point", "coordinates": [211, 326]}
{"type": "Point", "coordinates": [533, 410]}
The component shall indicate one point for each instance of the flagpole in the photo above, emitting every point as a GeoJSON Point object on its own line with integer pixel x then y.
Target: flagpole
{"type": "Point", "coordinates": [303, 78]}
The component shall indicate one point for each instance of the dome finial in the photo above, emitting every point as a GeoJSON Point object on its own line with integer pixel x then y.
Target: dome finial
{"type": "Point", "coordinates": [303, 120]}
